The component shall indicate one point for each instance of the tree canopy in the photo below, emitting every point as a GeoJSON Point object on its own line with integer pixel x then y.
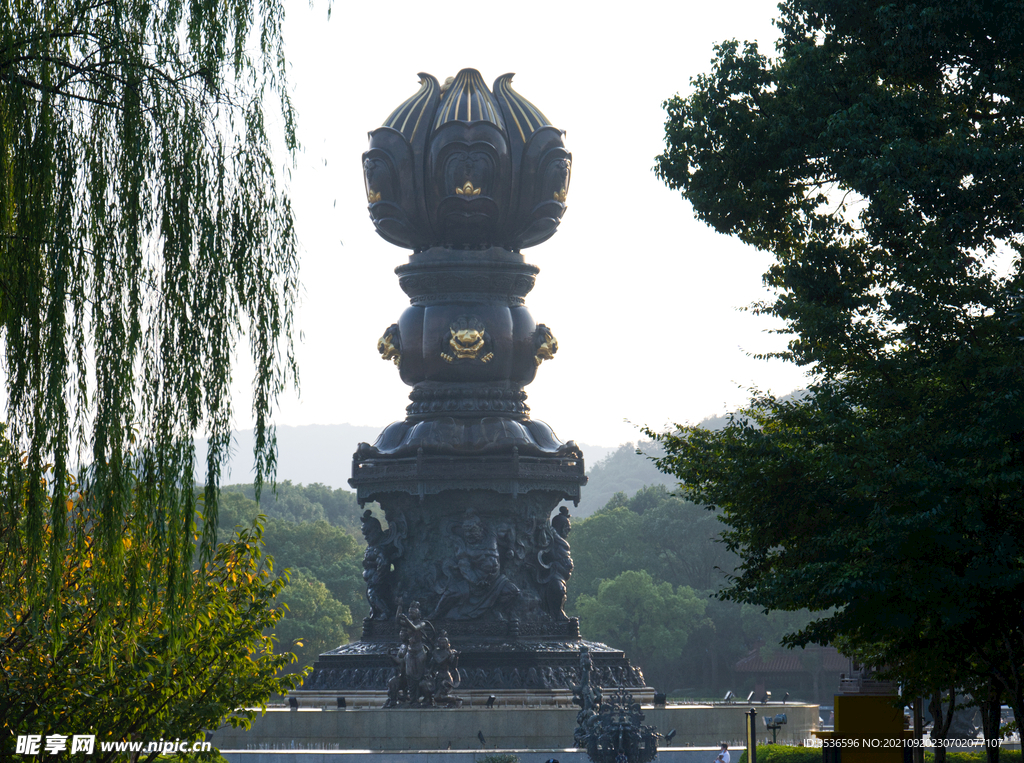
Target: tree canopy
{"type": "Point", "coordinates": [153, 680]}
{"type": "Point", "coordinates": [672, 539]}
{"type": "Point", "coordinates": [316, 621]}
{"type": "Point", "coordinates": [676, 549]}
{"type": "Point", "coordinates": [294, 503]}
{"type": "Point", "coordinates": [879, 157]}
{"type": "Point", "coordinates": [651, 621]}
{"type": "Point", "coordinates": [325, 597]}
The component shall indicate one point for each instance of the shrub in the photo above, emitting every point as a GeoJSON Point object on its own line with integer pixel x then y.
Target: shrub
{"type": "Point", "coordinates": [777, 753]}
{"type": "Point", "coordinates": [780, 753]}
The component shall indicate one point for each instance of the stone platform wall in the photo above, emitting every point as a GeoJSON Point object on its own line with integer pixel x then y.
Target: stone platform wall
{"type": "Point", "coordinates": [665, 755]}
{"type": "Point", "coordinates": [502, 727]}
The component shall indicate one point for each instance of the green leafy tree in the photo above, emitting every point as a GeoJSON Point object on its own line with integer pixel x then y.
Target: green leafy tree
{"type": "Point", "coordinates": [676, 542]}
{"type": "Point", "coordinates": [603, 546]}
{"type": "Point", "coordinates": [235, 510]}
{"type": "Point", "coordinates": [769, 629]}
{"type": "Point", "coordinates": [684, 543]}
{"type": "Point", "coordinates": [305, 503]}
{"type": "Point", "coordinates": [878, 157]}
{"type": "Point", "coordinates": [650, 621]}
{"type": "Point", "coordinates": [325, 584]}
{"type": "Point", "coordinates": [155, 679]}
{"type": "Point", "coordinates": [328, 554]}
{"type": "Point", "coordinates": [672, 539]}
{"type": "Point", "coordinates": [315, 621]}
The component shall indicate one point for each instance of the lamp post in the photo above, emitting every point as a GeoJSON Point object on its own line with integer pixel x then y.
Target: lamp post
{"type": "Point", "coordinates": [774, 724]}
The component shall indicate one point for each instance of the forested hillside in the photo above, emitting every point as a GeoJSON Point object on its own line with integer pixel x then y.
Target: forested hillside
{"type": "Point", "coordinates": [297, 503]}
{"type": "Point", "coordinates": [312, 531]}
{"type": "Point", "coordinates": [647, 567]}
{"type": "Point", "coordinates": [624, 470]}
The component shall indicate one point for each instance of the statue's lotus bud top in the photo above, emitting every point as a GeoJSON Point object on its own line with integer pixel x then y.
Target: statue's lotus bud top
{"type": "Point", "coordinates": [465, 167]}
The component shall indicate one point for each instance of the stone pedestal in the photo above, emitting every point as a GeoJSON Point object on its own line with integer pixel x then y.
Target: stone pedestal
{"type": "Point", "coordinates": [510, 724]}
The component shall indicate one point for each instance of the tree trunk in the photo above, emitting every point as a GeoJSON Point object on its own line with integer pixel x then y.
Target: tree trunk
{"type": "Point", "coordinates": [1011, 684]}
{"type": "Point", "coordinates": [714, 665]}
{"type": "Point", "coordinates": [991, 719]}
{"type": "Point", "coordinates": [917, 755]}
{"type": "Point", "coordinates": [941, 722]}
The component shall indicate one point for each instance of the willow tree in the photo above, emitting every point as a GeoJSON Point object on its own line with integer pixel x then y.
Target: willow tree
{"type": "Point", "coordinates": [143, 235]}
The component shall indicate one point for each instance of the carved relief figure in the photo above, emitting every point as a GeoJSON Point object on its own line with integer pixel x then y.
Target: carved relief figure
{"type": "Point", "coordinates": [378, 177]}
{"type": "Point", "coordinates": [552, 564]}
{"type": "Point", "coordinates": [428, 669]}
{"type": "Point", "coordinates": [474, 583]}
{"type": "Point", "coordinates": [466, 173]}
{"type": "Point", "coordinates": [587, 696]}
{"type": "Point", "coordinates": [557, 176]}
{"type": "Point", "coordinates": [377, 576]}
{"type": "Point", "coordinates": [377, 567]}
{"type": "Point", "coordinates": [561, 522]}
{"type": "Point", "coordinates": [555, 569]}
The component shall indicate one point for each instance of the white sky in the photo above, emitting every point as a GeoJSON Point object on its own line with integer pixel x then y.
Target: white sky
{"type": "Point", "coordinates": [644, 299]}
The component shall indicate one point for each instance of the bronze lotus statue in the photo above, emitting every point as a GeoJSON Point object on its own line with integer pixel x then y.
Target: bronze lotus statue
{"type": "Point", "coordinates": [466, 177]}
{"type": "Point", "coordinates": [459, 165]}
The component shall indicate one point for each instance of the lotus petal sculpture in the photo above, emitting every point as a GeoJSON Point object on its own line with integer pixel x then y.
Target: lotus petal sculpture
{"type": "Point", "coordinates": [464, 167]}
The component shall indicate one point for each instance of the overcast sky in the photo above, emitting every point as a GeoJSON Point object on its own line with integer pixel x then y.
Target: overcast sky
{"type": "Point", "coordinates": [646, 302]}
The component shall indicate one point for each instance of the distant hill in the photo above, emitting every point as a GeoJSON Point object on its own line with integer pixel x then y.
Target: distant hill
{"type": "Point", "coordinates": [320, 453]}
{"type": "Point", "coordinates": [592, 454]}
{"type": "Point", "coordinates": [307, 454]}
{"type": "Point", "coordinates": [622, 470]}
{"type": "Point", "coordinates": [626, 471]}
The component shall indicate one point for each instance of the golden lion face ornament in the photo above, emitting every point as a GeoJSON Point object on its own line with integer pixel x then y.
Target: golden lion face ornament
{"type": "Point", "coordinates": [390, 345]}
{"type": "Point", "coordinates": [467, 341]}
{"type": "Point", "coordinates": [544, 343]}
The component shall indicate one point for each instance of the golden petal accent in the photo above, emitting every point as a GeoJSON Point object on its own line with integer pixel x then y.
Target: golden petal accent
{"type": "Point", "coordinates": [373, 197]}
{"type": "Point", "coordinates": [560, 196]}
{"type": "Point", "coordinates": [467, 190]}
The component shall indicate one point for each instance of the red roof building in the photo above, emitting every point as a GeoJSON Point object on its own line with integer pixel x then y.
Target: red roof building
{"type": "Point", "coordinates": [811, 673]}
